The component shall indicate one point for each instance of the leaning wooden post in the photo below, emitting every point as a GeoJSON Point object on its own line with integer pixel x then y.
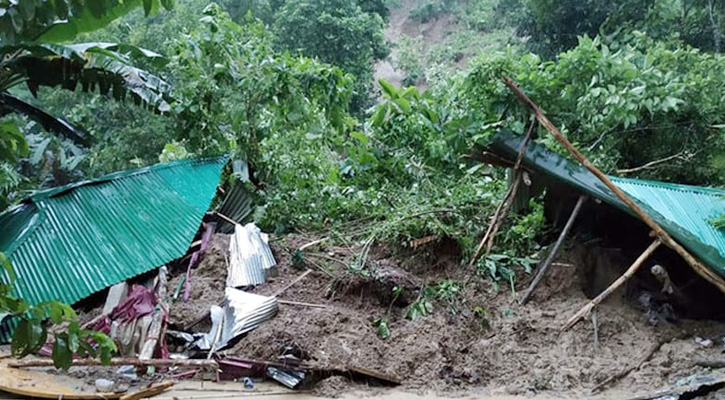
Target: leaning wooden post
{"type": "Point", "coordinates": [506, 203]}
{"type": "Point", "coordinates": [584, 311]}
{"type": "Point", "coordinates": [696, 265]}
{"type": "Point", "coordinates": [541, 272]}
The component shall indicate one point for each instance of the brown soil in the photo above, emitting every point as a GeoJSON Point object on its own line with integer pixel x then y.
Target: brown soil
{"type": "Point", "coordinates": [453, 350]}
{"type": "Point", "coordinates": [208, 281]}
{"type": "Point", "coordinates": [522, 353]}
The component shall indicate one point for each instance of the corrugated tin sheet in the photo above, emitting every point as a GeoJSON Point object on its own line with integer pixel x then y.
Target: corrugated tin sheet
{"type": "Point", "coordinates": [237, 205]}
{"type": "Point", "coordinates": [683, 211]}
{"type": "Point", "coordinates": [69, 242]}
{"type": "Point", "coordinates": [242, 313]}
{"type": "Point", "coordinates": [250, 258]}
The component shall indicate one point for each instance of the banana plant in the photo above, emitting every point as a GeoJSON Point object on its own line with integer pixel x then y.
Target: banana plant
{"type": "Point", "coordinates": [32, 52]}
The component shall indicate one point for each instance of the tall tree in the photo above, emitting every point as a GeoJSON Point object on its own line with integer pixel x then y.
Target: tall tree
{"type": "Point", "coordinates": [338, 32]}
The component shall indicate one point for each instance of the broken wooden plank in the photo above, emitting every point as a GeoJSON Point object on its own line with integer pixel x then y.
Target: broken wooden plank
{"type": "Point", "coordinates": [153, 390]}
{"type": "Point", "coordinates": [35, 384]}
{"type": "Point", "coordinates": [155, 335]}
{"type": "Point", "coordinates": [541, 272]}
{"type": "Point", "coordinates": [116, 294]}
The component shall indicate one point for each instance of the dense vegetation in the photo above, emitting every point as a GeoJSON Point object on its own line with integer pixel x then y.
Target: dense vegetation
{"type": "Point", "coordinates": [288, 86]}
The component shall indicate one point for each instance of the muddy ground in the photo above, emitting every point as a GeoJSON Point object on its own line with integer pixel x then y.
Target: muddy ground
{"type": "Point", "coordinates": [513, 350]}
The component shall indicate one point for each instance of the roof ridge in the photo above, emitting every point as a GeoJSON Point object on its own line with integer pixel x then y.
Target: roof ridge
{"type": "Point", "coordinates": [56, 191]}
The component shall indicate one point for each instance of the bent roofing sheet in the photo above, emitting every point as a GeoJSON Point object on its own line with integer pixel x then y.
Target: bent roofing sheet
{"type": "Point", "coordinates": [683, 211]}
{"type": "Point", "coordinates": [69, 242]}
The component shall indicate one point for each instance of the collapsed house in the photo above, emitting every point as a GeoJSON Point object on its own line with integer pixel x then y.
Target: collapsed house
{"type": "Point", "coordinates": [69, 242]}
{"type": "Point", "coordinates": [685, 212]}
{"type": "Point", "coordinates": [114, 243]}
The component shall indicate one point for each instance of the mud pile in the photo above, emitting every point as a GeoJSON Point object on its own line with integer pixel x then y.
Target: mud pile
{"type": "Point", "coordinates": [482, 342]}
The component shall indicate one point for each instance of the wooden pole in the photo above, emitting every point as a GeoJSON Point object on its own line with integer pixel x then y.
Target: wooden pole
{"type": "Point", "coordinates": [91, 362]}
{"type": "Point", "coordinates": [696, 265]}
{"type": "Point", "coordinates": [584, 311]}
{"type": "Point", "coordinates": [550, 259]}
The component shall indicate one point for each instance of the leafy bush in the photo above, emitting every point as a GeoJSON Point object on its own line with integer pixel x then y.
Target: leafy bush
{"type": "Point", "coordinates": [624, 104]}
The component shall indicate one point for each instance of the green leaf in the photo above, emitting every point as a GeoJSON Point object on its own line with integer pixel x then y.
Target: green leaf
{"type": "Point", "coordinates": [92, 16]}
{"type": "Point", "coordinates": [7, 266]}
{"type": "Point", "coordinates": [62, 355]}
{"type": "Point", "coordinates": [383, 329]}
{"type": "Point", "coordinates": [361, 137]}
{"type": "Point", "coordinates": [28, 337]}
{"type": "Point", "coordinates": [388, 89]}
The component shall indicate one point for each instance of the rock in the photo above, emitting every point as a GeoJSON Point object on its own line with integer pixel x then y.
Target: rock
{"type": "Point", "coordinates": [104, 385]}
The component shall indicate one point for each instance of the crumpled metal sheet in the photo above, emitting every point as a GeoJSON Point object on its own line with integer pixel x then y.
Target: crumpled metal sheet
{"type": "Point", "coordinates": [241, 313]}
{"type": "Point", "coordinates": [250, 258]}
{"type": "Point", "coordinates": [290, 378]}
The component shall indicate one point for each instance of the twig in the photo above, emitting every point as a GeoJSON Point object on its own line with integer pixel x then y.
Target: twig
{"type": "Point", "coordinates": [710, 363]}
{"type": "Point", "coordinates": [596, 329]}
{"type": "Point", "coordinates": [614, 286]}
{"type": "Point", "coordinates": [696, 265]}
{"type": "Point", "coordinates": [224, 217]}
{"type": "Point", "coordinates": [623, 373]}
{"type": "Point", "coordinates": [650, 164]}
{"type": "Point", "coordinates": [541, 272]}
{"type": "Point", "coordinates": [326, 257]}
{"type": "Point", "coordinates": [310, 244]}
{"type": "Point", "coordinates": [301, 304]}
{"type": "Point", "coordinates": [294, 282]}
{"type": "Point", "coordinates": [599, 140]}
{"type": "Point", "coordinates": [509, 202]}
{"type": "Point", "coordinates": [320, 267]}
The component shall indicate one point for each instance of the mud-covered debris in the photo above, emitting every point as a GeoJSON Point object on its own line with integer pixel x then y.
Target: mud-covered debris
{"type": "Point", "coordinates": [288, 377]}
{"type": "Point", "coordinates": [379, 283]}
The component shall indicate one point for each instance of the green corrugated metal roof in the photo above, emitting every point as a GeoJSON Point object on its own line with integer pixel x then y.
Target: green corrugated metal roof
{"type": "Point", "coordinates": [683, 211]}
{"type": "Point", "coordinates": [69, 242]}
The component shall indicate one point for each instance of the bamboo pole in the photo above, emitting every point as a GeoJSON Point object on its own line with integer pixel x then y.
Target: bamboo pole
{"type": "Point", "coordinates": [584, 311]}
{"type": "Point", "coordinates": [696, 265]}
{"type": "Point", "coordinates": [506, 203]}
{"type": "Point", "coordinates": [550, 259]}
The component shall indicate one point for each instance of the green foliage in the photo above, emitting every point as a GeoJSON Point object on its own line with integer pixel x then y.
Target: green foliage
{"type": "Point", "coordinates": [422, 307]}
{"type": "Point", "coordinates": [235, 91]}
{"type": "Point", "coordinates": [482, 315]}
{"type": "Point", "coordinates": [625, 105]}
{"type": "Point", "coordinates": [32, 331]}
{"type": "Point", "coordinates": [382, 328]}
{"type": "Point", "coordinates": [62, 20]}
{"type": "Point", "coordinates": [555, 25]}
{"type": "Point", "coordinates": [338, 32]}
